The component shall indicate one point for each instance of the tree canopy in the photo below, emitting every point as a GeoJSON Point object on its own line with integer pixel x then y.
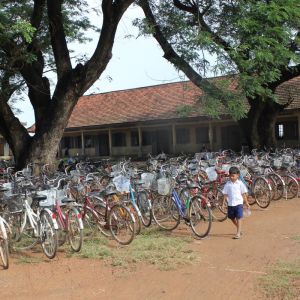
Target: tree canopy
{"type": "Point", "coordinates": [255, 43]}
{"type": "Point", "coordinates": [35, 37]}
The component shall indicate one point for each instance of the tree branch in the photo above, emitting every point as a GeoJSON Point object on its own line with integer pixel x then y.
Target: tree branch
{"type": "Point", "coordinates": [179, 62]}
{"type": "Point", "coordinates": [58, 38]}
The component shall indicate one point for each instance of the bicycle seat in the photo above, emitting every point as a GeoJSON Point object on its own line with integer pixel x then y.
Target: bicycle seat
{"type": "Point", "coordinates": [67, 200]}
{"type": "Point", "coordinates": [39, 198]}
{"type": "Point", "coordinates": [192, 185]}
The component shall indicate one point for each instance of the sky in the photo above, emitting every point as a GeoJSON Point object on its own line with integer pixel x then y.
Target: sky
{"type": "Point", "coordinates": [136, 61]}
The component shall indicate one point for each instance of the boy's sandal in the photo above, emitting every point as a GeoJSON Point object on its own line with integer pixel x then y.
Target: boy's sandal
{"type": "Point", "coordinates": [236, 237]}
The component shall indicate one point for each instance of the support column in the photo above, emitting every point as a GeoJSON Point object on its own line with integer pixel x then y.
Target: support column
{"type": "Point", "coordinates": [6, 149]}
{"type": "Point", "coordinates": [110, 141]}
{"type": "Point", "coordinates": [82, 144]}
{"type": "Point", "coordinates": [210, 136]}
{"type": "Point", "coordinates": [140, 154]}
{"type": "Point", "coordinates": [174, 138]}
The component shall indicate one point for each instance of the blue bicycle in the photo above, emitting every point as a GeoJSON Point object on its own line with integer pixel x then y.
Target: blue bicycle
{"type": "Point", "coordinates": [168, 210]}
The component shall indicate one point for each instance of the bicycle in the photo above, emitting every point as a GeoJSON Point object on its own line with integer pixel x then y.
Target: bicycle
{"type": "Point", "coordinates": [167, 211]}
{"type": "Point", "coordinates": [69, 219]}
{"type": "Point", "coordinates": [4, 249]}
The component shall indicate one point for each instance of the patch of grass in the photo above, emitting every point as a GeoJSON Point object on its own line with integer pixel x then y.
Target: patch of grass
{"type": "Point", "coordinates": [283, 281]}
{"type": "Point", "coordinates": [29, 260]}
{"type": "Point", "coordinates": [152, 246]}
{"type": "Point", "coordinates": [296, 238]}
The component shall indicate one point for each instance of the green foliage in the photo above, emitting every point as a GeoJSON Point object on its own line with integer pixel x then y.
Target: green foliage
{"type": "Point", "coordinates": [282, 281]}
{"type": "Point", "coordinates": [248, 37]}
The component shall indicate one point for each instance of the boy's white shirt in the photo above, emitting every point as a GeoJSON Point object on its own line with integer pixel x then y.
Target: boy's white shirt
{"type": "Point", "coordinates": [234, 192]}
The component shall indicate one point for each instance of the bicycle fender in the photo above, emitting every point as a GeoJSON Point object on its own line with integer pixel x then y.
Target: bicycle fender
{"type": "Point", "coordinates": [80, 222]}
{"type": "Point", "coordinates": [2, 228]}
{"type": "Point", "coordinates": [55, 224]}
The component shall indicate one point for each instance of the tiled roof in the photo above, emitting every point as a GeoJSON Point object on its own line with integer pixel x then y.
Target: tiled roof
{"type": "Point", "coordinates": [134, 105]}
{"type": "Point", "coordinates": [158, 102]}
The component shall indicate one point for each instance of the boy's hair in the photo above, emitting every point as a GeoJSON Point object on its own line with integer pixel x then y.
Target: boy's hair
{"type": "Point", "coordinates": [234, 170]}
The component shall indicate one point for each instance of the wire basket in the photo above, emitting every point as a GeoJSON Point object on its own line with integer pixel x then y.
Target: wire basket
{"type": "Point", "coordinates": [14, 204]}
{"type": "Point", "coordinates": [164, 186]}
{"type": "Point", "coordinates": [122, 183]}
{"type": "Point", "coordinates": [211, 173]}
{"type": "Point", "coordinates": [148, 179]}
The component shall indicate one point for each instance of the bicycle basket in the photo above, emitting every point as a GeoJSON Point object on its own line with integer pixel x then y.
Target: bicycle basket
{"type": "Point", "coordinates": [164, 186]}
{"type": "Point", "coordinates": [14, 204]}
{"type": "Point", "coordinates": [277, 163]}
{"type": "Point", "coordinates": [51, 195]}
{"type": "Point", "coordinates": [147, 179]}
{"type": "Point", "coordinates": [211, 173]}
{"type": "Point", "coordinates": [122, 183]}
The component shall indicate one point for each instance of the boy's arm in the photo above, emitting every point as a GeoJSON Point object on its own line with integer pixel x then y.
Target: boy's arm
{"type": "Point", "coordinates": [245, 197]}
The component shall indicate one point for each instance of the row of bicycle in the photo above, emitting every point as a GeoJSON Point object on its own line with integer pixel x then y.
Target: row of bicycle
{"type": "Point", "coordinates": [118, 200]}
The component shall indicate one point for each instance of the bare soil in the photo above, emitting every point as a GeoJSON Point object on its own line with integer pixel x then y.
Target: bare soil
{"type": "Point", "coordinates": [227, 268]}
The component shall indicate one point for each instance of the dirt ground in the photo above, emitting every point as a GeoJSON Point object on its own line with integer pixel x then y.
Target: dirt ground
{"type": "Point", "coordinates": [227, 269]}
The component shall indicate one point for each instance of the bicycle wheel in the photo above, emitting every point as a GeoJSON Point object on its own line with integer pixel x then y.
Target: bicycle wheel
{"type": "Point", "coordinates": [280, 186]}
{"type": "Point", "coordinates": [249, 186]}
{"type": "Point", "coordinates": [200, 216]}
{"type": "Point", "coordinates": [48, 235]}
{"type": "Point", "coordinates": [133, 211]}
{"type": "Point", "coordinates": [102, 219]}
{"type": "Point", "coordinates": [291, 185]}
{"type": "Point", "coordinates": [4, 250]}
{"type": "Point", "coordinates": [262, 192]}
{"type": "Point", "coordinates": [28, 233]}
{"type": "Point", "coordinates": [218, 206]}
{"type": "Point", "coordinates": [75, 230]}
{"type": "Point", "coordinates": [145, 208]}
{"type": "Point", "coordinates": [165, 212]}
{"type": "Point", "coordinates": [121, 224]}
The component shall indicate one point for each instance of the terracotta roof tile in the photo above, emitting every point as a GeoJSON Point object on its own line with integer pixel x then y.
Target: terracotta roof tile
{"type": "Point", "coordinates": [154, 102]}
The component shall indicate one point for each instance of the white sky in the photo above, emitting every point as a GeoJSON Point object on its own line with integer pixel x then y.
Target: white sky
{"type": "Point", "coordinates": [136, 62]}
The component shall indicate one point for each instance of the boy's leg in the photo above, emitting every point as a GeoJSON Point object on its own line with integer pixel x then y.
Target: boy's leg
{"type": "Point", "coordinates": [239, 226]}
{"type": "Point", "coordinates": [234, 221]}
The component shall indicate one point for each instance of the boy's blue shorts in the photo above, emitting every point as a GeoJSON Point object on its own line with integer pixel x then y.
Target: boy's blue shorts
{"type": "Point", "coordinates": [235, 212]}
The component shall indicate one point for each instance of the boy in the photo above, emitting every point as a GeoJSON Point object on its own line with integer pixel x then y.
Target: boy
{"type": "Point", "coordinates": [235, 192]}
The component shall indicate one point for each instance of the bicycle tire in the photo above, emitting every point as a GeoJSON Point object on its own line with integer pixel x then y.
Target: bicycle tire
{"type": "Point", "coordinates": [218, 206]}
{"type": "Point", "coordinates": [165, 212]}
{"type": "Point", "coordinates": [280, 185]}
{"type": "Point", "coordinates": [200, 211]}
{"type": "Point", "coordinates": [48, 235]}
{"type": "Point", "coordinates": [262, 192]}
{"type": "Point", "coordinates": [249, 186]}
{"type": "Point", "coordinates": [75, 233]}
{"type": "Point", "coordinates": [292, 186]}
{"type": "Point", "coordinates": [28, 238]}
{"type": "Point", "coordinates": [138, 221]}
{"type": "Point", "coordinates": [145, 208]}
{"type": "Point", "coordinates": [121, 224]}
{"type": "Point", "coordinates": [102, 219]}
{"type": "Point", "coordinates": [4, 252]}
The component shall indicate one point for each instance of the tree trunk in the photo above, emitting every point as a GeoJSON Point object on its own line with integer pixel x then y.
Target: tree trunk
{"type": "Point", "coordinates": [267, 123]}
{"type": "Point", "coordinates": [250, 124]}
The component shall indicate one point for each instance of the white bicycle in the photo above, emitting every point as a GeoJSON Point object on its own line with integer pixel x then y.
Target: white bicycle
{"type": "Point", "coordinates": [35, 225]}
{"type": "Point", "coordinates": [4, 250]}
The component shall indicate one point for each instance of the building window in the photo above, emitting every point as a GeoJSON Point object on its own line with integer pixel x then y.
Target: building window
{"type": "Point", "coordinates": [147, 138]}
{"type": "Point", "coordinates": [280, 131]}
{"type": "Point", "coordinates": [71, 142]}
{"type": "Point", "coordinates": [119, 139]}
{"type": "Point", "coordinates": [202, 135]}
{"type": "Point", "coordinates": [134, 138]}
{"type": "Point", "coordinates": [89, 141]}
{"type": "Point", "coordinates": [287, 130]}
{"type": "Point", "coordinates": [182, 135]}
